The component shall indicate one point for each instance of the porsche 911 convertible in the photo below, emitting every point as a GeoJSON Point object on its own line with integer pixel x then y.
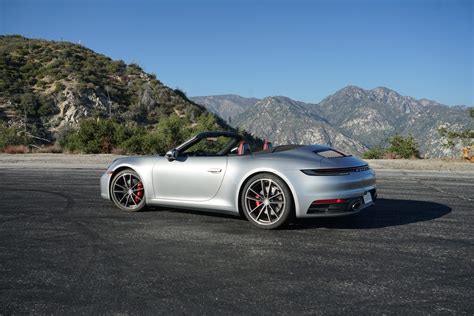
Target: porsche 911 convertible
{"type": "Point", "coordinates": [216, 171]}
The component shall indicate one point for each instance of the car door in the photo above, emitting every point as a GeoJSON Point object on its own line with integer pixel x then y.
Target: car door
{"type": "Point", "coordinates": [189, 178]}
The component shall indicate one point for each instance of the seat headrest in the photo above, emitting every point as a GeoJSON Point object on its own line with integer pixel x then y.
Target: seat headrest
{"type": "Point", "coordinates": [267, 145]}
{"type": "Point", "coordinates": [244, 149]}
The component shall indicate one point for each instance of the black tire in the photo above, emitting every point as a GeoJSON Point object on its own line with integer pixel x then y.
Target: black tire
{"type": "Point", "coordinates": [127, 191]}
{"type": "Point", "coordinates": [266, 201]}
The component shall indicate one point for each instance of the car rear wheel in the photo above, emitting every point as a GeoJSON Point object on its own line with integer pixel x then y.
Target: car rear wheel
{"type": "Point", "coordinates": [267, 201]}
{"type": "Point", "coordinates": [127, 191]}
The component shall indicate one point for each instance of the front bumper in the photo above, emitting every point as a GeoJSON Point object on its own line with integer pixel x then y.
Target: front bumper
{"type": "Point", "coordinates": [104, 186]}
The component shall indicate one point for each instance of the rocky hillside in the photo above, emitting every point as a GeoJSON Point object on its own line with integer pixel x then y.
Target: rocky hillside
{"type": "Point", "coordinates": [54, 85]}
{"type": "Point", "coordinates": [354, 119]}
{"type": "Point", "coordinates": [227, 106]}
{"type": "Point", "coordinates": [372, 116]}
{"type": "Point", "coordinates": [285, 121]}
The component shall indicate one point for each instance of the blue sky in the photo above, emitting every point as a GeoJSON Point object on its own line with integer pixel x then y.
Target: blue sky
{"type": "Point", "coordinates": [302, 49]}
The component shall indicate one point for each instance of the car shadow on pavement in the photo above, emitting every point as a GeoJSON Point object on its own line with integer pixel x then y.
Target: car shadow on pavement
{"type": "Point", "coordinates": [208, 213]}
{"type": "Point", "coordinates": [386, 213]}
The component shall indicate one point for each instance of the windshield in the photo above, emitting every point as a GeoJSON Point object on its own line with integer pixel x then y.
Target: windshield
{"type": "Point", "coordinates": [211, 146]}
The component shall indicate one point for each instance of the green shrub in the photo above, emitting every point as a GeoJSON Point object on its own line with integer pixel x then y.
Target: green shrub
{"type": "Point", "coordinates": [10, 136]}
{"type": "Point", "coordinates": [94, 136]}
{"type": "Point", "coordinates": [137, 144]}
{"type": "Point", "coordinates": [404, 147]}
{"type": "Point", "coordinates": [374, 153]}
{"type": "Point", "coordinates": [104, 136]}
{"type": "Point", "coordinates": [46, 106]}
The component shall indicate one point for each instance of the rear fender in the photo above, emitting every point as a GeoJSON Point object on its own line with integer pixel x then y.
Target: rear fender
{"type": "Point", "coordinates": [253, 172]}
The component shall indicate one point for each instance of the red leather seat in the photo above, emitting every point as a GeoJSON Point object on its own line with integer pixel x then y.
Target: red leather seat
{"type": "Point", "coordinates": [244, 149]}
{"type": "Point", "coordinates": [267, 145]}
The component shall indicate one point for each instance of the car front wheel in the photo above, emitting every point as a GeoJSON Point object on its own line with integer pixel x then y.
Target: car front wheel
{"type": "Point", "coordinates": [127, 191]}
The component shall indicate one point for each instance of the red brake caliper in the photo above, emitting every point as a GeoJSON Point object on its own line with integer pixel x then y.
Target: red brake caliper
{"type": "Point", "coordinates": [139, 193]}
{"type": "Point", "coordinates": [257, 197]}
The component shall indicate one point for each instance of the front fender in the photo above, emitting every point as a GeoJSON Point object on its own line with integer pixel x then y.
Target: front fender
{"type": "Point", "coordinates": [143, 171]}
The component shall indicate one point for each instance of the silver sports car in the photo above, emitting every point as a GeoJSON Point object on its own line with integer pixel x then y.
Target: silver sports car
{"type": "Point", "coordinates": [216, 171]}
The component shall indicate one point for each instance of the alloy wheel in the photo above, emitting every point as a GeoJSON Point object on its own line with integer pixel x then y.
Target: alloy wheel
{"type": "Point", "coordinates": [264, 201]}
{"type": "Point", "coordinates": [127, 191]}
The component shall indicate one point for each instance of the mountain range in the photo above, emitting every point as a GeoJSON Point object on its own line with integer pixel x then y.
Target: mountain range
{"type": "Point", "coordinates": [352, 119]}
{"type": "Point", "coordinates": [48, 88]}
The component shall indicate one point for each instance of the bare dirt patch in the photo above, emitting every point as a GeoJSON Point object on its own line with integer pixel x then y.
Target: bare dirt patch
{"type": "Point", "coordinates": [421, 164]}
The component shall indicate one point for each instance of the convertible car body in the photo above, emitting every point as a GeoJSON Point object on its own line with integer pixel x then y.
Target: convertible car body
{"type": "Point", "coordinates": [217, 171]}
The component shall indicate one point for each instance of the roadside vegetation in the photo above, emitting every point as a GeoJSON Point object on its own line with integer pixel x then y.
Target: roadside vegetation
{"type": "Point", "coordinates": [108, 136]}
{"type": "Point", "coordinates": [94, 136]}
{"type": "Point", "coordinates": [465, 136]}
{"type": "Point", "coordinates": [399, 147]}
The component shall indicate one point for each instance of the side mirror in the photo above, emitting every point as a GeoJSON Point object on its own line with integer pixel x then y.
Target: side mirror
{"type": "Point", "coordinates": [171, 154]}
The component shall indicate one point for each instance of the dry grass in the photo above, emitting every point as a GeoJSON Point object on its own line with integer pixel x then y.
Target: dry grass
{"type": "Point", "coordinates": [390, 155]}
{"type": "Point", "coordinates": [16, 149]}
{"type": "Point", "coordinates": [52, 149]}
{"type": "Point", "coordinates": [117, 151]}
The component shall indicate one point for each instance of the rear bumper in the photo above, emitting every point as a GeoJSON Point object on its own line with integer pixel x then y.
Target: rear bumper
{"type": "Point", "coordinates": [307, 189]}
{"type": "Point", "coordinates": [352, 206]}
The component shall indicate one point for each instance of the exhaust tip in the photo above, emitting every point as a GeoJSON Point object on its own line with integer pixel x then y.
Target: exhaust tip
{"type": "Point", "coordinates": [356, 206]}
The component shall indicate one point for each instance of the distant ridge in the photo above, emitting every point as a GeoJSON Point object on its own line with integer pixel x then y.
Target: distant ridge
{"type": "Point", "coordinates": [352, 119]}
{"type": "Point", "coordinates": [227, 106]}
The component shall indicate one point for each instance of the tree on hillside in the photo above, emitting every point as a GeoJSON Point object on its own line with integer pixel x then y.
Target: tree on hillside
{"type": "Point", "coordinates": [405, 147]}
{"type": "Point", "coordinates": [400, 147]}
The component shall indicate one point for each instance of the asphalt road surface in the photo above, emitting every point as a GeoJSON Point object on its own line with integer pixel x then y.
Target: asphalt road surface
{"type": "Point", "coordinates": [65, 250]}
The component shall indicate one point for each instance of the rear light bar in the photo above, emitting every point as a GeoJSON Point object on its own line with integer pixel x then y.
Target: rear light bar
{"type": "Point", "coordinates": [334, 171]}
{"type": "Point", "coordinates": [330, 201]}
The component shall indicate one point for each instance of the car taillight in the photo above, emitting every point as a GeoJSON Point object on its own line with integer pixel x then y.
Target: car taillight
{"type": "Point", "coordinates": [330, 201]}
{"type": "Point", "coordinates": [334, 171]}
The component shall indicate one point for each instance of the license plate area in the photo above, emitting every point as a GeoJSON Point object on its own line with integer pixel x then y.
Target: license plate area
{"type": "Point", "coordinates": [367, 198]}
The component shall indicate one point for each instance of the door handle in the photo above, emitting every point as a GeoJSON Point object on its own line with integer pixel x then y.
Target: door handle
{"type": "Point", "coordinates": [214, 170]}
